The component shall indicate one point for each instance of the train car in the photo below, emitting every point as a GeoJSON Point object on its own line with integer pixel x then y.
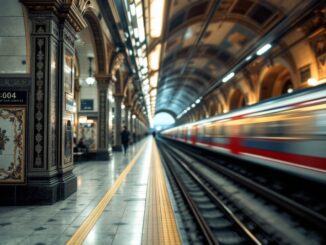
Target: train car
{"type": "Point", "coordinates": [287, 132]}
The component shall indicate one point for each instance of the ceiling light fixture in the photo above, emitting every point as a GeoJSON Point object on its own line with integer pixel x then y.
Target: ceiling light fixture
{"type": "Point", "coordinates": [153, 80]}
{"type": "Point", "coordinates": [249, 58]}
{"type": "Point", "coordinates": [228, 77]}
{"type": "Point", "coordinates": [90, 80]}
{"type": "Point", "coordinates": [312, 81]}
{"type": "Point", "coordinates": [132, 9]}
{"type": "Point", "coordinates": [156, 18]}
{"type": "Point", "coordinates": [154, 58]}
{"type": "Point", "coordinates": [264, 49]}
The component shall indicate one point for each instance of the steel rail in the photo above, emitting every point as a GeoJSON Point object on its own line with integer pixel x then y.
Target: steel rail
{"type": "Point", "coordinates": [240, 225]}
{"type": "Point", "coordinates": [308, 215]}
{"type": "Point", "coordinates": [208, 235]}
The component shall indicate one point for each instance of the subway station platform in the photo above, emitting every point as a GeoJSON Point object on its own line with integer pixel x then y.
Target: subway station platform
{"type": "Point", "coordinates": [121, 201]}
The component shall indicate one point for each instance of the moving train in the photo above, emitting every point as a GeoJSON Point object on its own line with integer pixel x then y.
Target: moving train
{"type": "Point", "coordinates": [287, 133]}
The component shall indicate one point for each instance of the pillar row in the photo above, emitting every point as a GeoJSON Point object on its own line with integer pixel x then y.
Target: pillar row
{"type": "Point", "coordinates": [49, 176]}
{"type": "Point", "coordinates": [104, 148]}
{"type": "Point", "coordinates": [117, 130]}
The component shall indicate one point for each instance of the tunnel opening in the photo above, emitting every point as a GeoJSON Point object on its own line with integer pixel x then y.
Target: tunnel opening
{"type": "Point", "coordinates": [163, 120]}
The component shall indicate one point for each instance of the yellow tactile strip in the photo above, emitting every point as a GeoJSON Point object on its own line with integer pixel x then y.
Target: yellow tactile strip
{"type": "Point", "coordinates": [159, 222]}
{"type": "Point", "coordinates": [82, 232]}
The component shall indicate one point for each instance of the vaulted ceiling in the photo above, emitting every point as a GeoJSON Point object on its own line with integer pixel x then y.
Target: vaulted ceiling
{"type": "Point", "coordinates": [203, 40]}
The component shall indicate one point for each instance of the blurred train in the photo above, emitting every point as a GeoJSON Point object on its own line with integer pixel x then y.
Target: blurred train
{"type": "Point", "coordinates": [287, 132]}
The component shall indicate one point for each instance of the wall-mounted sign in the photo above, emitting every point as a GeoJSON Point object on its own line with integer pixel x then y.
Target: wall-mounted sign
{"type": "Point", "coordinates": [87, 105]}
{"type": "Point", "coordinates": [13, 113]}
{"type": "Point", "coordinates": [8, 97]}
{"type": "Point", "coordinates": [70, 104]}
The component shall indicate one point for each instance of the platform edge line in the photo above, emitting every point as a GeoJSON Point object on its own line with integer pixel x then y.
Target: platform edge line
{"type": "Point", "coordinates": [81, 233]}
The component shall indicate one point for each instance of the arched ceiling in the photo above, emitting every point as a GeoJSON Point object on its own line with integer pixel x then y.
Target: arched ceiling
{"type": "Point", "coordinates": [203, 40]}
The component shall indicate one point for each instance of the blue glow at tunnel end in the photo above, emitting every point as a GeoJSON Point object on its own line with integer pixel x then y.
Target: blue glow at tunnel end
{"type": "Point", "coordinates": [163, 120]}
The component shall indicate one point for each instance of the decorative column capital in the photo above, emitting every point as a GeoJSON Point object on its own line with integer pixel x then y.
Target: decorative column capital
{"type": "Point", "coordinates": [116, 95]}
{"type": "Point", "coordinates": [128, 107]}
{"type": "Point", "coordinates": [72, 11]}
{"type": "Point", "coordinates": [103, 77]}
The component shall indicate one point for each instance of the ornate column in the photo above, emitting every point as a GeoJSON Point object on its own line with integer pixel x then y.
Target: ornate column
{"type": "Point", "coordinates": [104, 149]}
{"type": "Point", "coordinates": [131, 127]}
{"type": "Point", "coordinates": [54, 25]}
{"type": "Point", "coordinates": [117, 130]}
{"type": "Point", "coordinates": [137, 129]}
{"type": "Point", "coordinates": [127, 116]}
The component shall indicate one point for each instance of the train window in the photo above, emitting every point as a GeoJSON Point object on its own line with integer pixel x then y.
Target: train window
{"type": "Point", "coordinates": [319, 118]}
{"type": "Point", "coordinates": [200, 131]}
{"type": "Point", "coordinates": [273, 129]}
{"type": "Point", "coordinates": [220, 130]}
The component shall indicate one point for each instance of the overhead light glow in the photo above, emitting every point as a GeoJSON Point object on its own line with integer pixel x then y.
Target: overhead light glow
{"type": "Point", "coordinates": [145, 88]}
{"type": "Point", "coordinates": [188, 33]}
{"type": "Point", "coordinates": [136, 33]}
{"type": "Point", "coordinates": [153, 80]}
{"type": "Point", "coordinates": [228, 77]}
{"type": "Point", "coordinates": [132, 9]}
{"type": "Point", "coordinates": [198, 101]}
{"type": "Point", "coordinates": [153, 92]}
{"type": "Point", "coordinates": [193, 105]}
{"type": "Point", "coordinates": [290, 90]}
{"type": "Point", "coordinates": [90, 80]}
{"type": "Point", "coordinates": [264, 49]}
{"type": "Point", "coordinates": [312, 81]}
{"type": "Point", "coordinates": [139, 11]}
{"type": "Point", "coordinates": [82, 119]}
{"type": "Point", "coordinates": [249, 58]}
{"type": "Point", "coordinates": [156, 18]}
{"type": "Point", "coordinates": [154, 58]}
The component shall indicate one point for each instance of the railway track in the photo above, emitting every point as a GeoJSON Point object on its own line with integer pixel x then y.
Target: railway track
{"type": "Point", "coordinates": [250, 226]}
{"type": "Point", "coordinates": [208, 218]}
{"type": "Point", "coordinates": [300, 197]}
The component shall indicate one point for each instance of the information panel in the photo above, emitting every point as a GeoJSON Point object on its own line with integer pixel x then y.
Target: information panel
{"type": "Point", "coordinates": [13, 111]}
{"type": "Point", "coordinates": [87, 105]}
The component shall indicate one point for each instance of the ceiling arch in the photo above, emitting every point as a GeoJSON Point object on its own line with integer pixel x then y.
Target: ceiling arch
{"type": "Point", "coordinates": [206, 57]}
{"type": "Point", "coordinates": [94, 24]}
{"type": "Point", "coordinates": [201, 42]}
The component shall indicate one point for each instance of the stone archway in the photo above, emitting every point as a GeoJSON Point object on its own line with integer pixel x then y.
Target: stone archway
{"type": "Point", "coordinates": [99, 46]}
{"type": "Point", "coordinates": [237, 100]}
{"type": "Point", "coordinates": [275, 82]}
{"type": "Point", "coordinates": [15, 39]}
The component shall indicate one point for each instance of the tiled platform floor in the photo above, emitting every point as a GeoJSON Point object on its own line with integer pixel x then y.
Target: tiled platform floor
{"type": "Point", "coordinates": [120, 223]}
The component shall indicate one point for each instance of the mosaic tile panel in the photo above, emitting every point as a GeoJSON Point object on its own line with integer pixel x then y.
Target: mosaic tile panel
{"type": "Point", "coordinates": [12, 145]}
{"type": "Point", "coordinates": [68, 135]}
{"type": "Point", "coordinates": [53, 107]}
{"type": "Point", "coordinates": [39, 102]}
{"type": "Point", "coordinates": [88, 132]}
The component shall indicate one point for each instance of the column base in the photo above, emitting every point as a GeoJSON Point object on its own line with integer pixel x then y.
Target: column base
{"type": "Point", "coordinates": [100, 155]}
{"type": "Point", "coordinates": [68, 185]}
{"type": "Point", "coordinates": [39, 191]}
{"type": "Point", "coordinates": [117, 148]}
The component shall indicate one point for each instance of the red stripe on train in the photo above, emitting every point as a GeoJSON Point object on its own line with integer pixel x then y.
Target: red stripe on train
{"type": "Point", "coordinates": [318, 163]}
